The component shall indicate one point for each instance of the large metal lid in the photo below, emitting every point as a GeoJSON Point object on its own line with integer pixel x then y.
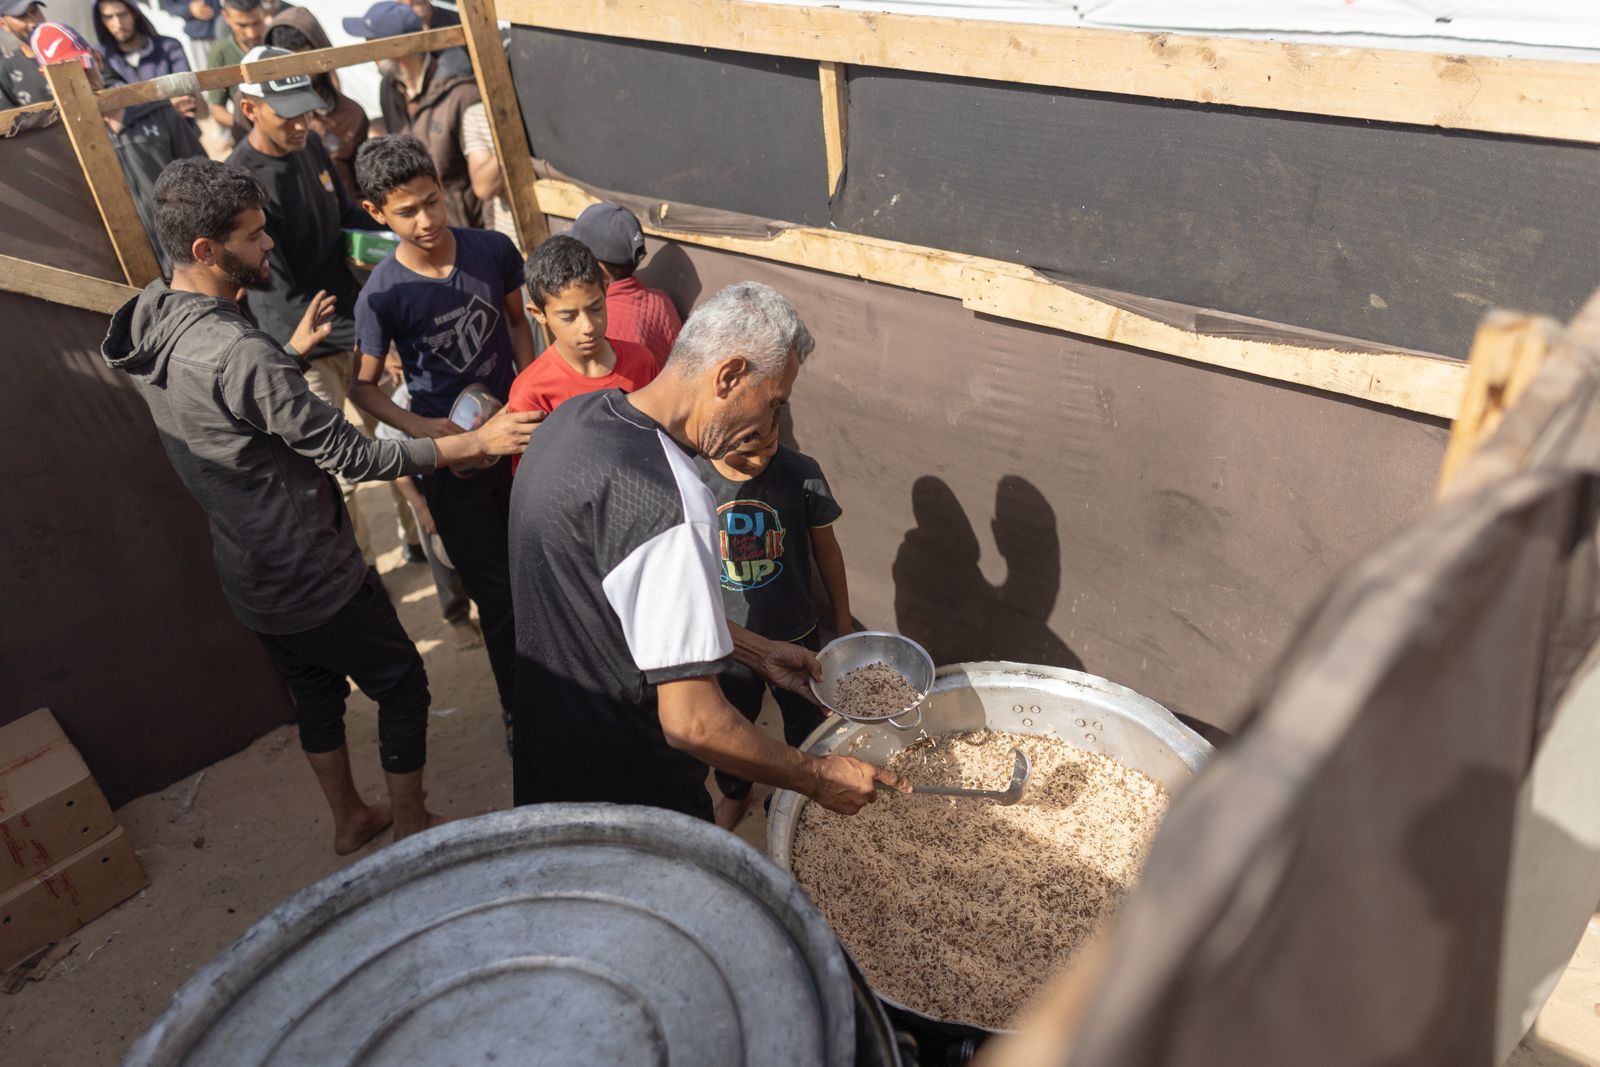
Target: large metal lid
{"type": "Point", "coordinates": [562, 934]}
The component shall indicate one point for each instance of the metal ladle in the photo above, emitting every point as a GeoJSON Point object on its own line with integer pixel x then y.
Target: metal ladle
{"type": "Point", "coordinates": [1012, 793]}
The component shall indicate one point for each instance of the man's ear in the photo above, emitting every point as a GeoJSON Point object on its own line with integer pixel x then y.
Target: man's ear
{"type": "Point", "coordinates": [375, 211]}
{"type": "Point", "coordinates": [731, 373]}
{"type": "Point", "coordinates": [247, 104]}
{"type": "Point", "coordinates": [204, 251]}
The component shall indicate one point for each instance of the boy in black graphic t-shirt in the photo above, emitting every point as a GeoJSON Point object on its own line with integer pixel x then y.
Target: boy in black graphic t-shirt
{"type": "Point", "coordinates": [775, 516]}
{"type": "Point", "coordinates": [449, 301]}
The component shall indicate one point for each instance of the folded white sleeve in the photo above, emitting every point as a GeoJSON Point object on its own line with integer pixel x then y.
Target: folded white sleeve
{"type": "Point", "coordinates": [668, 596]}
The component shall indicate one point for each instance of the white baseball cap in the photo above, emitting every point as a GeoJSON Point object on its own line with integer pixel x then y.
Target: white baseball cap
{"type": "Point", "coordinates": [290, 97]}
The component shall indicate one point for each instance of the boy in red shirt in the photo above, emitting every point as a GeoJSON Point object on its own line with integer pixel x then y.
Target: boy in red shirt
{"type": "Point", "coordinates": [568, 297]}
{"type": "Point", "coordinates": [638, 313]}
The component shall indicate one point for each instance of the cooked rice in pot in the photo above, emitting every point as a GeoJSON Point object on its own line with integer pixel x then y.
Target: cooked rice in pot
{"type": "Point", "coordinates": [961, 909]}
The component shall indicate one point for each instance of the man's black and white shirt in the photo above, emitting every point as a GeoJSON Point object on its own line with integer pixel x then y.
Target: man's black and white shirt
{"type": "Point", "coordinates": [614, 573]}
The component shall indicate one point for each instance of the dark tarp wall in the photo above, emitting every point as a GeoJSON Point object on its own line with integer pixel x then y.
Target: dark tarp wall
{"type": "Point", "coordinates": [112, 613]}
{"type": "Point", "coordinates": [724, 129]}
{"type": "Point", "coordinates": [50, 215]}
{"type": "Point", "coordinates": [1397, 234]}
{"type": "Point", "coordinates": [1015, 493]}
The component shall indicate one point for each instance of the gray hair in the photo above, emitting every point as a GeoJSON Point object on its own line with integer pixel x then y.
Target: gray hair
{"type": "Point", "coordinates": [748, 319]}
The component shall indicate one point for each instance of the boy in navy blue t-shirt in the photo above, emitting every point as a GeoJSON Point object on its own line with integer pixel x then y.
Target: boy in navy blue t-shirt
{"type": "Point", "coordinates": [450, 302]}
{"type": "Point", "coordinates": [775, 516]}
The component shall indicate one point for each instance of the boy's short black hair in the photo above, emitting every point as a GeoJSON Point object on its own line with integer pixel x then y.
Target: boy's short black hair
{"type": "Point", "coordinates": [241, 5]}
{"type": "Point", "coordinates": [557, 263]}
{"type": "Point", "coordinates": [388, 162]}
{"type": "Point", "coordinates": [620, 271]}
{"type": "Point", "coordinates": [290, 37]}
{"type": "Point", "coordinates": [199, 197]}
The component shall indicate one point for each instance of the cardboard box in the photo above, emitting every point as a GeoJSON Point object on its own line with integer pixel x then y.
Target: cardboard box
{"type": "Point", "coordinates": [55, 903]}
{"type": "Point", "coordinates": [50, 806]}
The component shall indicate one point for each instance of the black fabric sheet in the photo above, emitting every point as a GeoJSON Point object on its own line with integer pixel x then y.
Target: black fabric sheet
{"type": "Point", "coordinates": [113, 615]}
{"type": "Point", "coordinates": [723, 129]}
{"type": "Point", "coordinates": [1397, 234]}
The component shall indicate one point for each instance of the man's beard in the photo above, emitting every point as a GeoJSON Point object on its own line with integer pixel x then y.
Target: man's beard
{"type": "Point", "coordinates": [241, 276]}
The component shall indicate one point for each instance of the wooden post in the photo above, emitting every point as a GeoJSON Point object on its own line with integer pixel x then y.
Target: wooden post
{"type": "Point", "coordinates": [69, 84]}
{"type": "Point", "coordinates": [1506, 354]}
{"type": "Point", "coordinates": [493, 71]}
{"type": "Point", "coordinates": [835, 120]}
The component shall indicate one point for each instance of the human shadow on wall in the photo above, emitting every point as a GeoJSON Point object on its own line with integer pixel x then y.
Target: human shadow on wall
{"type": "Point", "coordinates": [942, 599]}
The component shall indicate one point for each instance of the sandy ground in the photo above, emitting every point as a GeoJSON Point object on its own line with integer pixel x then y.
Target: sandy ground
{"type": "Point", "coordinates": [257, 831]}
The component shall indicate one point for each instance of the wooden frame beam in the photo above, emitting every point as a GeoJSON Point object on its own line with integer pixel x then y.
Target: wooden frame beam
{"type": "Point", "coordinates": [313, 62]}
{"type": "Point", "coordinates": [1531, 98]}
{"type": "Point", "coordinates": [1507, 352]}
{"type": "Point", "coordinates": [63, 286]}
{"type": "Point", "coordinates": [835, 119]}
{"type": "Point", "coordinates": [1411, 381]}
{"type": "Point", "coordinates": [69, 85]}
{"type": "Point", "coordinates": [510, 136]}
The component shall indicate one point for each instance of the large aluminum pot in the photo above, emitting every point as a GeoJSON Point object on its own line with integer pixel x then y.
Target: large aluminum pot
{"type": "Point", "coordinates": [1081, 709]}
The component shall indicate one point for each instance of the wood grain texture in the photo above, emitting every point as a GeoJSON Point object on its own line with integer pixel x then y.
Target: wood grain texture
{"type": "Point", "coordinates": [1506, 354]}
{"type": "Point", "coordinates": [835, 119]}
{"type": "Point", "coordinates": [1534, 98]}
{"type": "Point", "coordinates": [493, 71]}
{"type": "Point", "coordinates": [63, 286]}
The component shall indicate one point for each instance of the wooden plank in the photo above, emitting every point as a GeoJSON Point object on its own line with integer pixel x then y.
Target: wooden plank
{"type": "Point", "coordinates": [1506, 354]}
{"type": "Point", "coordinates": [835, 119]}
{"type": "Point", "coordinates": [1408, 380]}
{"type": "Point", "coordinates": [313, 62]}
{"type": "Point", "coordinates": [69, 84]}
{"type": "Point", "coordinates": [9, 118]}
{"type": "Point", "coordinates": [1414, 382]}
{"type": "Point", "coordinates": [1534, 98]}
{"type": "Point", "coordinates": [63, 286]}
{"type": "Point", "coordinates": [493, 71]}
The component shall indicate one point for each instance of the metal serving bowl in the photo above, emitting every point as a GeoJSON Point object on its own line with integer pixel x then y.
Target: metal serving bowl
{"type": "Point", "coordinates": [1080, 709]}
{"type": "Point", "coordinates": [844, 654]}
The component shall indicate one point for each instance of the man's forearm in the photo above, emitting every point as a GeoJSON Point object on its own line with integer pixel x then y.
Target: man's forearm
{"type": "Point", "coordinates": [698, 719]}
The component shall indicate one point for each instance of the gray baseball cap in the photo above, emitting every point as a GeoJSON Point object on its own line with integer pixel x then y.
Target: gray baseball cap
{"type": "Point", "coordinates": [612, 233]}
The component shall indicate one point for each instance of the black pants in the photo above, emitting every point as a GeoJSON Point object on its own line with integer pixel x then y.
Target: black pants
{"type": "Point", "coordinates": [472, 516]}
{"type": "Point", "coordinates": [745, 689]}
{"type": "Point", "coordinates": [364, 641]}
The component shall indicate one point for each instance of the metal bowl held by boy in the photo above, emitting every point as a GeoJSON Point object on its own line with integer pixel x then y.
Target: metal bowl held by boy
{"type": "Point", "coordinates": [865, 649]}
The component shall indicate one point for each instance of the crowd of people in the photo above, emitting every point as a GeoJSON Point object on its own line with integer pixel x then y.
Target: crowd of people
{"type": "Point", "coordinates": [642, 563]}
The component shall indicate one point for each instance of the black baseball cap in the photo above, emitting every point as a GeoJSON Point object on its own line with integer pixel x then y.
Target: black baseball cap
{"type": "Point", "coordinates": [611, 232]}
{"type": "Point", "coordinates": [290, 97]}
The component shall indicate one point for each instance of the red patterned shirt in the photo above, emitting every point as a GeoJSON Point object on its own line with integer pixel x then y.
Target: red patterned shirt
{"type": "Point", "coordinates": [642, 315]}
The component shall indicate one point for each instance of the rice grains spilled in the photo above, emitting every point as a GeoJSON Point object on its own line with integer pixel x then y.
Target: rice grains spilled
{"type": "Point", "coordinates": [873, 691]}
{"type": "Point", "coordinates": [963, 909]}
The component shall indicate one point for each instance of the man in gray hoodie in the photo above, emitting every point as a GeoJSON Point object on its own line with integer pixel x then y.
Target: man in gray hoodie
{"type": "Point", "coordinates": [259, 452]}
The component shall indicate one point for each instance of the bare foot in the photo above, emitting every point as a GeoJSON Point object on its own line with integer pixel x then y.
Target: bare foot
{"type": "Point", "coordinates": [727, 811]}
{"type": "Point", "coordinates": [374, 820]}
{"type": "Point", "coordinates": [468, 636]}
{"type": "Point", "coordinates": [432, 821]}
